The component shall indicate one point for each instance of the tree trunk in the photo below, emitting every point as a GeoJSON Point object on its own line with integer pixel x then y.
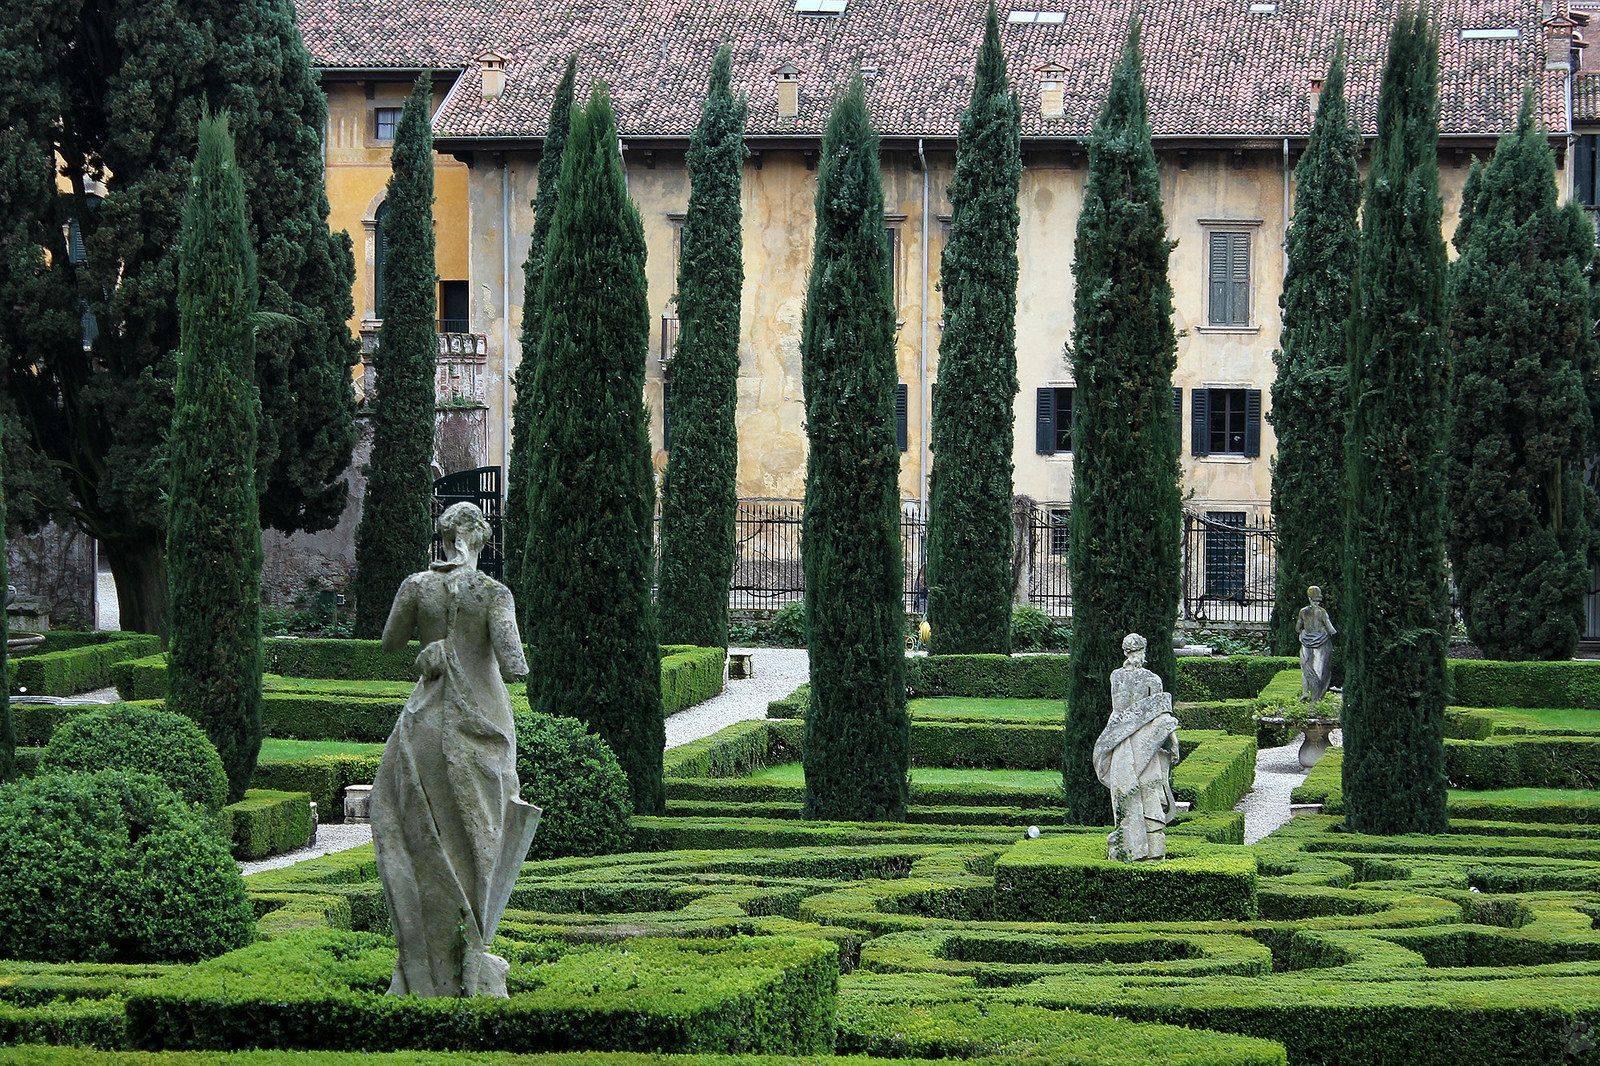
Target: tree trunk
{"type": "Point", "coordinates": [140, 570]}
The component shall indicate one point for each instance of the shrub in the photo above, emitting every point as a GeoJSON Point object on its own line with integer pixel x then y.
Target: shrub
{"type": "Point", "coordinates": [141, 740]}
{"type": "Point", "coordinates": [788, 626]}
{"type": "Point", "coordinates": [113, 866]}
{"type": "Point", "coordinates": [1069, 879]}
{"type": "Point", "coordinates": [574, 777]}
{"type": "Point", "coordinates": [266, 823]}
{"type": "Point", "coordinates": [1030, 628]}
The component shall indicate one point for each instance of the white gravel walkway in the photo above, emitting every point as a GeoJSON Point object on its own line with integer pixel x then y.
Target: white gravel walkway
{"type": "Point", "coordinates": [776, 672]}
{"type": "Point", "coordinates": [1278, 771]}
{"type": "Point", "coordinates": [330, 838]}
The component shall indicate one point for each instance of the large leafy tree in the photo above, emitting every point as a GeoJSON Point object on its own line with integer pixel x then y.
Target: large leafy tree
{"type": "Point", "coordinates": [396, 516]}
{"type": "Point", "coordinates": [214, 532]}
{"type": "Point", "coordinates": [1397, 606]}
{"type": "Point", "coordinates": [1520, 538]}
{"type": "Point", "coordinates": [525, 404]}
{"type": "Point", "coordinates": [105, 98]}
{"type": "Point", "coordinates": [969, 516]}
{"type": "Point", "coordinates": [1309, 392]}
{"type": "Point", "coordinates": [857, 740]}
{"type": "Point", "coordinates": [591, 623]}
{"type": "Point", "coordinates": [700, 492]}
{"type": "Point", "coordinates": [1126, 509]}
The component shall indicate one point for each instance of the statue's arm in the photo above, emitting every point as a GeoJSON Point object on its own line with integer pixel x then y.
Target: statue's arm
{"type": "Point", "coordinates": [1332, 632]}
{"type": "Point", "coordinates": [504, 637]}
{"type": "Point", "coordinates": [402, 623]}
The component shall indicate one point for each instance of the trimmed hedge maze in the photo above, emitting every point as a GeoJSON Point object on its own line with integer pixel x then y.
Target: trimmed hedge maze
{"type": "Point", "coordinates": [69, 662]}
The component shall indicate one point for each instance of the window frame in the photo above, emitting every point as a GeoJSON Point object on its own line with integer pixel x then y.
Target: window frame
{"type": "Point", "coordinates": [1235, 406]}
{"type": "Point", "coordinates": [1247, 227]}
{"type": "Point", "coordinates": [1224, 555]}
{"type": "Point", "coordinates": [378, 114]}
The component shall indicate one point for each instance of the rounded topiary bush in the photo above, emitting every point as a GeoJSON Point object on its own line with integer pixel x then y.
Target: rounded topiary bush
{"type": "Point", "coordinates": [114, 867]}
{"type": "Point", "coordinates": [141, 740]}
{"type": "Point", "coordinates": [570, 772]}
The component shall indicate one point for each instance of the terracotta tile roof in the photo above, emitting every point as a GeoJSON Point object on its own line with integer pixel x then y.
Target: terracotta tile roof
{"type": "Point", "coordinates": [1214, 67]}
{"type": "Point", "coordinates": [1586, 97]}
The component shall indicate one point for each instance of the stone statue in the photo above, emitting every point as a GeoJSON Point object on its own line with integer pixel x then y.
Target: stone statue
{"type": "Point", "coordinates": [1134, 757]}
{"type": "Point", "coordinates": [1316, 647]}
{"type": "Point", "coordinates": [448, 823]}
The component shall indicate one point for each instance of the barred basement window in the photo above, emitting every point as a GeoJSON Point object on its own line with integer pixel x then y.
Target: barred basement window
{"type": "Point", "coordinates": [1224, 554]}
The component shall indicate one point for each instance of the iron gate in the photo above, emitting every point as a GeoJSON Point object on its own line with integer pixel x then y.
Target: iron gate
{"type": "Point", "coordinates": [481, 486]}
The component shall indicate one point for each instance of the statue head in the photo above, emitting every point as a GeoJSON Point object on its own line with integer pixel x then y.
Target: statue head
{"type": "Point", "coordinates": [1133, 646]}
{"type": "Point", "coordinates": [1314, 594]}
{"type": "Point", "coordinates": [464, 531]}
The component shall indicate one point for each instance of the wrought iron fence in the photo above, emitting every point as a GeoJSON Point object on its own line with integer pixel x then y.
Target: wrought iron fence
{"type": "Point", "coordinates": [1229, 566]}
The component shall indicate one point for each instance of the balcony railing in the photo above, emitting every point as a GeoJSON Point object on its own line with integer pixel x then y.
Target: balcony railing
{"type": "Point", "coordinates": [460, 378]}
{"type": "Point", "coordinates": [669, 339]}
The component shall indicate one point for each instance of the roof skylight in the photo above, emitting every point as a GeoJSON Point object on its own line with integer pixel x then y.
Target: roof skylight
{"type": "Point", "coordinates": [1036, 18]}
{"type": "Point", "coordinates": [820, 7]}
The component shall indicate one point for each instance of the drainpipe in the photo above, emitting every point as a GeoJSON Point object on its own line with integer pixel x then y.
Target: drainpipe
{"type": "Point", "coordinates": [923, 402]}
{"type": "Point", "coordinates": [505, 317]}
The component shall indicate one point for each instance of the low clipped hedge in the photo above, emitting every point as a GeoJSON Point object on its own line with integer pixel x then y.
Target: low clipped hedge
{"type": "Point", "coordinates": [1217, 774]}
{"type": "Point", "coordinates": [1486, 683]}
{"type": "Point", "coordinates": [986, 745]}
{"type": "Point", "coordinates": [1070, 879]}
{"type": "Point", "coordinates": [1324, 784]}
{"type": "Point", "coordinates": [266, 823]}
{"type": "Point", "coordinates": [73, 662]}
{"type": "Point", "coordinates": [323, 990]}
{"type": "Point", "coordinates": [690, 675]}
{"type": "Point", "coordinates": [323, 777]}
{"type": "Point", "coordinates": [1523, 761]}
{"type": "Point", "coordinates": [1200, 678]}
{"type": "Point", "coordinates": [146, 740]}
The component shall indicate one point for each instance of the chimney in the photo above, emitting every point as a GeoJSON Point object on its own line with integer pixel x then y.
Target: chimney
{"type": "Point", "coordinates": [788, 93]}
{"type": "Point", "coordinates": [1052, 91]}
{"type": "Point", "coordinates": [1559, 31]}
{"type": "Point", "coordinates": [1314, 95]}
{"type": "Point", "coordinates": [492, 70]}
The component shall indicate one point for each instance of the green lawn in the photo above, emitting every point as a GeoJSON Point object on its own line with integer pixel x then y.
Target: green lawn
{"type": "Point", "coordinates": [1574, 718]}
{"type": "Point", "coordinates": [793, 774]}
{"type": "Point", "coordinates": [284, 750]}
{"type": "Point", "coordinates": [973, 709]}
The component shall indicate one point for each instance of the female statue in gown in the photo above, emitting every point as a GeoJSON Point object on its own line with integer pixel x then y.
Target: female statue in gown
{"type": "Point", "coordinates": [1316, 647]}
{"type": "Point", "coordinates": [449, 826]}
{"type": "Point", "coordinates": [1134, 756]}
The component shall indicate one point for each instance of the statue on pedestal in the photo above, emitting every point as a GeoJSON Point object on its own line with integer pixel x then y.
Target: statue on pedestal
{"type": "Point", "coordinates": [1134, 757]}
{"type": "Point", "coordinates": [1316, 647]}
{"type": "Point", "coordinates": [448, 822]}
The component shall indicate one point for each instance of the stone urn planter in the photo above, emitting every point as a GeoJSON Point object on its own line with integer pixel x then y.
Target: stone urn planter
{"type": "Point", "coordinates": [1315, 744]}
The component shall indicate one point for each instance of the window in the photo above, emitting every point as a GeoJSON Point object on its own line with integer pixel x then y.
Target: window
{"type": "Point", "coordinates": [891, 240]}
{"type": "Point", "coordinates": [1224, 550]}
{"type": "Point", "coordinates": [1584, 170]}
{"type": "Point", "coordinates": [902, 416]}
{"type": "Point", "coordinates": [1226, 422]}
{"type": "Point", "coordinates": [453, 315]}
{"type": "Point", "coordinates": [1228, 274]}
{"type": "Point", "coordinates": [385, 120]}
{"type": "Point", "coordinates": [1060, 531]}
{"type": "Point", "coordinates": [1053, 432]}
{"type": "Point", "coordinates": [676, 222]}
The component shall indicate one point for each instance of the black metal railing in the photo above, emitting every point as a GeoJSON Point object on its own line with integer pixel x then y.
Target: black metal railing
{"type": "Point", "coordinates": [1229, 567]}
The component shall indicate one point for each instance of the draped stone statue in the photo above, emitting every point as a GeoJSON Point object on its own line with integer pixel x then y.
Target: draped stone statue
{"type": "Point", "coordinates": [450, 828]}
{"type": "Point", "coordinates": [1316, 647]}
{"type": "Point", "coordinates": [1134, 757]}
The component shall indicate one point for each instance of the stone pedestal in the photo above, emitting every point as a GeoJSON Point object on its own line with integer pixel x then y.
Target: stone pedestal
{"type": "Point", "coordinates": [1315, 744]}
{"type": "Point", "coordinates": [358, 804]}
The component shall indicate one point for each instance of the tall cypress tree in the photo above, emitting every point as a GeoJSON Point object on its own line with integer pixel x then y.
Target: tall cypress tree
{"type": "Point", "coordinates": [1519, 507]}
{"type": "Point", "coordinates": [8, 736]}
{"type": "Point", "coordinates": [214, 530]}
{"type": "Point", "coordinates": [525, 404]}
{"type": "Point", "coordinates": [396, 517]}
{"type": "Point", "coordinates": [857, 740]}
{"type": "Point", "coordinates": [1309, 392]}
{"type": "Point", "coordinates": [1126, 510]}
{"type": "Point", "coordinates": [700, 493]}
{"type": "Point", "coordinates": [105, 98]}
{"type": "Point", "coordinates": [1397, 607]}
{"type": "Point", "coordinates": [591, 625]}
{"type": "Point", "coordinates": [969, 514]}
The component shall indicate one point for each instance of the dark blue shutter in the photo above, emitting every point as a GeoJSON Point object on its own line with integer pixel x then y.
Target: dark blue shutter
{"type": "Point", "coordinates": [1200, 426]}
{"type": "Point", "coordinates": [1583, 158]}
{"type": "Point", "coordinates": [1252, 422]}
{"type": "Point", "coordinates": [901, 416]}
{"type": "Point", "coordinates": [1177, 415]}
{"type": "Point", "coordinates": [1045, 422]}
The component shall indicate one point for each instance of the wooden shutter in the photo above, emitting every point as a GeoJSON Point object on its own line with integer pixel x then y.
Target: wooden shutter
{"type": "Point", "coordinates": [1252, 422]}
{"type": "Point", "coordinates": [1177, 415]}
{"type": "Point", "coordinates": [901, 416]}
{"type": "Point", "coordinates": [1218, 274]}
{"type": "Point", "coordinates": [1044, 441]}
{"type": "Point", "coordinates": [380, 256]}
{"type": "Point", "coordinates": [1583, 159]}
{"type": "Point", "coordinates": [1239, 279]}
{"type": "Point", "coordinates": [1229, 273]}
{"type": "Point", "coordinates": [1200, 424]}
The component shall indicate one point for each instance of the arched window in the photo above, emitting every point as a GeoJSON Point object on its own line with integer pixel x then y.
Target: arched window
{"type": "Point", "coordinates": [380, 253]}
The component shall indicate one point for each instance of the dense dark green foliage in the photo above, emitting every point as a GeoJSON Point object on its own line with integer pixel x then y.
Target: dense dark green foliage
{"type": "Point", "coordinates": [857, 745]}
{"type": "Point", "coordinates": [141, 740]}
{"type": "Point", "coordinates": [114, 867]}
{"type": "Point", "coordinates": [524, 405]}
{"type": "Point", "coordinates": [113, 93]}
{"type": "Point", "coordinates": [214, 529]}
{"type": "Point", "coordinates": [1309, 392]}
{"type": "Point", "coordinates": [396, 516]}
{"type": "Point", "coordinates": [700, 493]}
{"type": "Point", "coordinates": [572, 776]}
{"type": "Point", "coordinates": [1125, 504]}
{"type": "Point", "coordinates": [591, 630]}
{"type": "Point", "coordinates": [1397, 607]}
{"type": "Point", "coordinates": [8, 738]}
{"type": "Point", "coordinates": [969, 515]}
{"type": "Point", "coordinates": [1520, 331]}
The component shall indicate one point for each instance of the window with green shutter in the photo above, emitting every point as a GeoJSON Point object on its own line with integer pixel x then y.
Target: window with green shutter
{"type": "Point", "coordinates": [1228, 277]}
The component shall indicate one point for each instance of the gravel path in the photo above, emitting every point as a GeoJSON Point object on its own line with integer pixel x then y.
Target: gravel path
{"type": "Point", "coordinates": [330, 838]}
{"type": "Point", "coordinates": [777, 672]}
{"type": "Point", "coordinates": [1278, 771]}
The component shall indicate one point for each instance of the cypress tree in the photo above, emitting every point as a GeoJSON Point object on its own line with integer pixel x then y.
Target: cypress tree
{"type": "Point", "coordinates": [1397, 608]}
{"type": "Point", "coordinates": [1308, 394]}
{"type": "Point", "coordinates": [591, 625]}
{"type": "Point", "coordinates": [1519, 535]}
{"type": "Point", "coordinates": [969, 513]}
{"type": "Point", "coordinates": [1126, 510]}
{"type": "Point", "coordinates": [8, 736]}
{"type": "Point", "coordinates": [524, 404]}
{"type": "Point", "coordinates": [96, 93]}
{"type": "Point", "coordinates": [396, 528]}
{"type": "Point", "coordinates": [214, 530]}
{"type": "Point", "coordinates": [857, 739]}
{"type": "Point", "coordinates": [699, 494]}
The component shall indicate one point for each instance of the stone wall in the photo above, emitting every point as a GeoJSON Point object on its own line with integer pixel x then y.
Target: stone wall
{"type": "Point", "coordinates": [56, 567]}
